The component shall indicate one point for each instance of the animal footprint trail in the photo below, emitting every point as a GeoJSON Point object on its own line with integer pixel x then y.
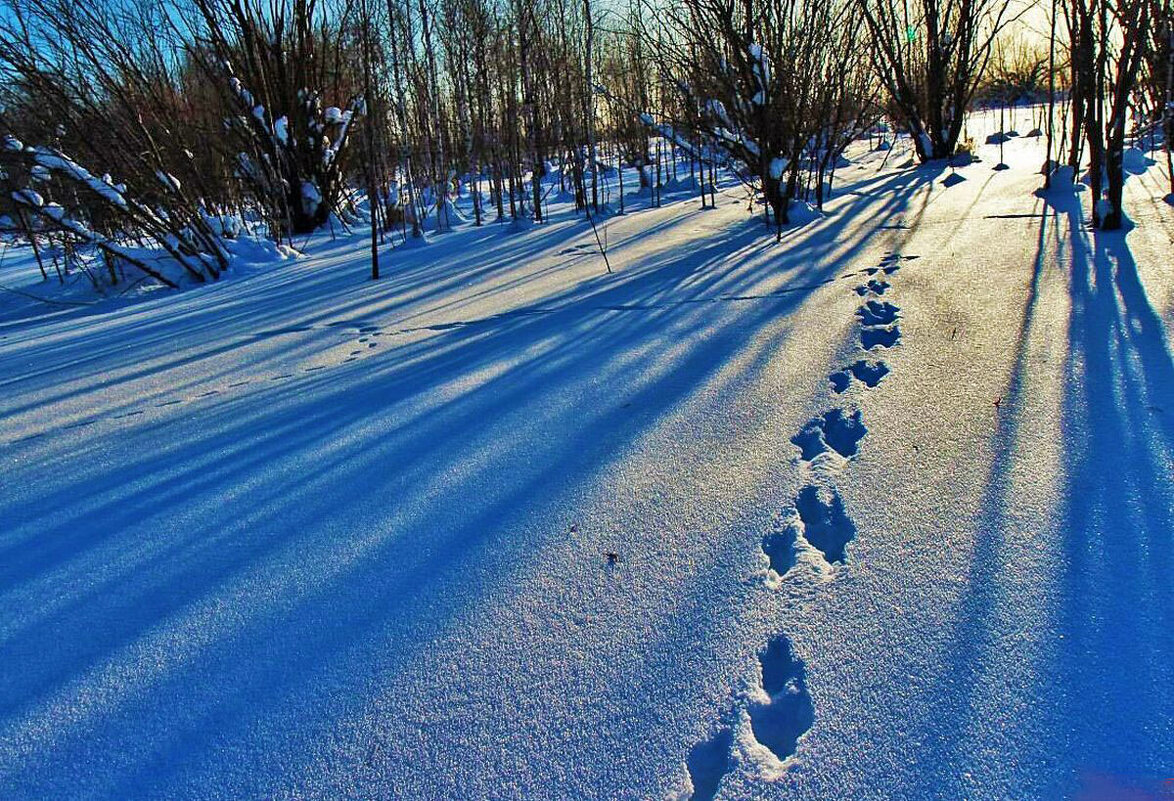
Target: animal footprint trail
{"type": "Point", "coordinates": [788, 713]}
{"type": "Point", "coordinates": [783, 712]}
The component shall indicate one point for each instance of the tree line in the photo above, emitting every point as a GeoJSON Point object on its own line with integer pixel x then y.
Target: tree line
{"type": "Point", "coordinates": [170, 124]}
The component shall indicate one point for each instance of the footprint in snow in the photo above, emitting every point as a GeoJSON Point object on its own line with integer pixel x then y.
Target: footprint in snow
{"type": "Point", "coordinates": [826, 524]}
{"type": "Point", "coordinates": [779, 546]}
{"type": "Point", "coordinates": [780, 722]}
{"type": "Point", "coordinates": [875, 286]}
{"type": "Point", "coordinates": [868, 373]}
{"type": "Point", "coordinates": [891, 262]}
{"type": "Point", "coordinates": [708, 763]}
{"type": "Point", "coordinates": [878, 312]}
{"type": "Point", "coordinates": [833, 430]}
{"type": "Point", "coordinates": [885, 337]}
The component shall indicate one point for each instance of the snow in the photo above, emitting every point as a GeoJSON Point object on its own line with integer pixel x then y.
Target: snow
{"type": "Point", "coordinates": [51, 159]}
{"type": "Point", "coordinates": [343, 120]}
{"type": "Point", "coordinates": [442, 218]}
{"type": "Point", "coordinates": [311, 197]}
{"type": "Point", "coordinates": [1064, 180]}
{"type": "Point", "coordinates": [169, 181]}
{"type": "Point", "coordinates": [800, 213]}
{"type": "Point", "coordinates": [303, 534]}
{"type": "Point", "coordinates": [1135, 160]}
{"type": "Point", "coordinates": [30, 196]}
{"type": "Point", "coordinates": [281, 130]}
{"type": "Point", "coordinates": [760, 67]}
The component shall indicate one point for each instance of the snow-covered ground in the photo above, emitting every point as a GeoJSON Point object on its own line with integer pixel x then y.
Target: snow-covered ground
{"type": "Point", "coordinates": [299, 534]}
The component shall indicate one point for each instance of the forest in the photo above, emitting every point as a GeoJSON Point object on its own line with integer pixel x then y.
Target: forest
{"type": "Point", "coordinates": [172, 126]}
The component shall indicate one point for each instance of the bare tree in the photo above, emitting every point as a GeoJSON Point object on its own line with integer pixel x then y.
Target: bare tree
{"type": "Point", "coordinates": [772, 86]}
{"type": "Point", "coordinates": [104, 89]}
{"type": "Point", "coordinates": [930, 56]}
{"type": "Point", "coordinates": [279, 67]}
{"type": "Point", "coordinates": [1107, 44]}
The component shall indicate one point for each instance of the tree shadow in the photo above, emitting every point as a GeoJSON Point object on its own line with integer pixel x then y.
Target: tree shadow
{"type": "Point", "coordinates": [1107, 662]}
{"type": "Point", "coordinates": [279, 555]}
{"type": "Point", "coordinates": [1115, 609]}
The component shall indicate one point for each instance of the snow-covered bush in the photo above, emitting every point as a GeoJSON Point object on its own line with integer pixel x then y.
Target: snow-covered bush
{"type": "Point", "coordinates": [930, 56]}
{"type": "Point", "coordinates": [779, 89]}
{"type": "Point", "coordinates": [279, 74]}
{"type": "Point", "coordinates": [81, 208]}
{"type": "Point", "coordinates": [291, 160]}
{"type": "Point", "coordinates": [95, 94]}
